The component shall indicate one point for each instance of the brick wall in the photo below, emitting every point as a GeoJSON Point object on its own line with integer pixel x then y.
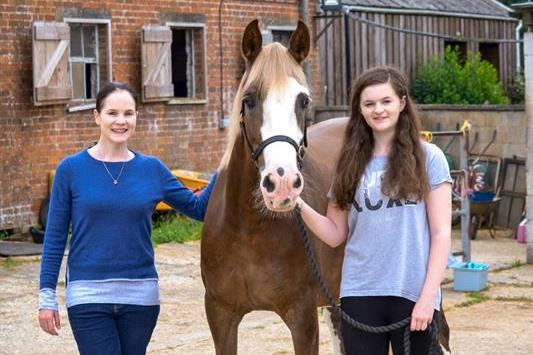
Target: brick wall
{"type": "Point", "coordinates": [34, 139]}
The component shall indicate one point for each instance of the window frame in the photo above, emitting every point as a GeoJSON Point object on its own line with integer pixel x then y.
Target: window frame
{"type": "Point", "coordinates": [192, 26]}
{"type": "Point", "coordinates": [76, 105]}
{"type": "Point", "coordinates": [279, 28]}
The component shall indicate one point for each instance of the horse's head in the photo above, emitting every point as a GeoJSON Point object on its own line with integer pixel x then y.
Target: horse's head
{"type": "Point", "coordinates": [272, 99]}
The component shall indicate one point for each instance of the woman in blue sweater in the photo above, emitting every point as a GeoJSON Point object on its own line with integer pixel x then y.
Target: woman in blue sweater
{"type": "Point", "coordinates": [108, 193]}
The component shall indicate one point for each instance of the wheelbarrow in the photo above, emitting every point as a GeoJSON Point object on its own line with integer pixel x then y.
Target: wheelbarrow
{"type": "Point", "coordinates": [483, 208]}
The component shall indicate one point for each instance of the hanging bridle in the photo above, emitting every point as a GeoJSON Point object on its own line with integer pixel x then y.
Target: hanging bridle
{"type": "Point", "coordinates": [256, 153]}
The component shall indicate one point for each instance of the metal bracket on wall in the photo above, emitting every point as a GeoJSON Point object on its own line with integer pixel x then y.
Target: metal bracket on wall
{"type": "Point", "coordinates": [316, 36]}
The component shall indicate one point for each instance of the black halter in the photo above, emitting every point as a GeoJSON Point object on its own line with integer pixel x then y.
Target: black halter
{"type": "Point", "coordinates": [256, 153]}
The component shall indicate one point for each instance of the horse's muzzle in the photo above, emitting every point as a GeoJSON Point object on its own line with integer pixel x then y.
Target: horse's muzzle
{"type": "Point", "coordinates": [280, 189]}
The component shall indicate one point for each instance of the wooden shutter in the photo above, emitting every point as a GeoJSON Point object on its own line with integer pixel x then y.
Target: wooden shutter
{"type": "Point", "coordinates": [51, 80]}
{"type": "Point", "coordinates": [156, 63]}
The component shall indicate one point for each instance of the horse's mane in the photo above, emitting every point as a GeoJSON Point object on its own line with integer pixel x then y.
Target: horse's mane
{"type": "Point", "coordinates": [272, 68]}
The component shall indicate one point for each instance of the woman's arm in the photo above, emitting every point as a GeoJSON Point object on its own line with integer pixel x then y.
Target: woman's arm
{"type": "Point", "coordinates": [439, 211]}
{"type": "Point", "coordinates": [182, 199]}
{"type": "Point", "coordinates": [55, 240]}
{"type": "Point", "coordinates": [332, 229]}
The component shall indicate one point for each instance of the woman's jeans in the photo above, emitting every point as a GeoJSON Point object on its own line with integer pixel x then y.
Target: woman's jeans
{"type": "Point", "coordinates": [112, 329]}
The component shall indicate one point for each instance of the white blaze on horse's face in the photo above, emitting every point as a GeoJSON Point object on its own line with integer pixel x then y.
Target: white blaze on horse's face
{"type": "Point", "coordinates": [281, 181]}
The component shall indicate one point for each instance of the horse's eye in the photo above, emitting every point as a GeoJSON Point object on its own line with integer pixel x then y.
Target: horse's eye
{"type": "Point", "coordinates": [249, 101]}
{"type": "Point", "coordinates": [306, 101]}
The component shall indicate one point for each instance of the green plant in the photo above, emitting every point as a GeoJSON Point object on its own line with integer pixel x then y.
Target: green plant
{"type": "Point", "coordinates": [517, 89]}
{"type": "Point", "coordinates": [473, 298]}
{"type": "Point", "coordinates": [171, 228]}
{"type": "Point", "coordinates": [516, 263]}
{"type": "Point", "coordinates": [6, 233]}
{"type": "Point", "coordinates": [443, 80]}
{"type": "Point", "coordinates": [10, 263]}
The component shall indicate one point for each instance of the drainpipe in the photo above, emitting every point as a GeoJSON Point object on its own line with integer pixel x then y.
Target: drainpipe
{"type": "Point", "coordinates": [304, 11]}
{"type": "Point", "coordinates": [517, 38]}
{"type": "Point", "coordinates": [223, 122]}
{"type": "Point", "coordinates": [528, 78]}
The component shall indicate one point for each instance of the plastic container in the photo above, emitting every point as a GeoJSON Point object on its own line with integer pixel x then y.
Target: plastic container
{"type": "Point", "coordinates": [470, 276]}
{"type": "Point", "coordinates": [482, 196]}
{"type": "Point", "coordinates": [521, 232]}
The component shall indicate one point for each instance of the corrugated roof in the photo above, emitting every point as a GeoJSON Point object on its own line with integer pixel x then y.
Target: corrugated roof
{"type": "Point", "coordinates": [491, 8]}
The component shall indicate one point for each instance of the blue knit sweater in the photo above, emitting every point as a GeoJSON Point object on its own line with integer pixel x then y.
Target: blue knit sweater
{"type": "Point", "coordinates": [111, 224]}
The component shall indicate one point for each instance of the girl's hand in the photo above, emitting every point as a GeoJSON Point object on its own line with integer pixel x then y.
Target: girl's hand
{"type": "Point", "coordinates": [422, 314]}
{"type": "Point", "coordinates": [49, 321]}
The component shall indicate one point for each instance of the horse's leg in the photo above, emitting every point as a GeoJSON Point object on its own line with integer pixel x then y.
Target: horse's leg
{"type": "Point", "coordinates": [224, 324]}
{"type": "Point", "coordinates": [333, 321]}
{"type": "Point", "coordinates": [302, 320]}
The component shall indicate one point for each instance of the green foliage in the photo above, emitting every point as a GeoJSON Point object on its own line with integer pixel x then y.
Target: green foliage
{"type": "Point", "coordinates": [9, 263]}
{"type": "Point", "coordinates": [516, 263]}
{"type": "Point", "coordinates": [171, 228]}
{"type": "Point", "coordinates": [517, 89]}
{"type": "Point", "coordinates": [6, 233]}
{"type": "Point", "coordinates": [3, 234]}
{"type": "Point", "coordinates": [473, 298]}
{"type": "Point", "coordinates": [443, 80]}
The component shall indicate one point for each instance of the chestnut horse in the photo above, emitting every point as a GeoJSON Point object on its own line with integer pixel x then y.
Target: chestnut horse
{"type": "Point", "coordinates": [252, 256]}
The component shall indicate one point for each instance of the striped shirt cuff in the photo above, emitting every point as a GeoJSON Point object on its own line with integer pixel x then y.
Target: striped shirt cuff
{"type": "Point", "coordinates": [47, 299]}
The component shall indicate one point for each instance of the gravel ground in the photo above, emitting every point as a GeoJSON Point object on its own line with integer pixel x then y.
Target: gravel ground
{"type": "Point", "coordinates": [499, 325]}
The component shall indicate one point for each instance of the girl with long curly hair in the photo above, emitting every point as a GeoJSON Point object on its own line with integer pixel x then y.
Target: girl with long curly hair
{"type": "Point", "coordinates": [390, 201]}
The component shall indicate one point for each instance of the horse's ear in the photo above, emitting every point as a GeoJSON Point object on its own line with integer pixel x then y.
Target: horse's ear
{"type": "Point", "coordinates": [300, 42]}
{"type": "Point", "coordinates": [252, 41]}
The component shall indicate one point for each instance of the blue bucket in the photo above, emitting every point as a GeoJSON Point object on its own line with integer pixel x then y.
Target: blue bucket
{"type": "Point", "coordinates": [482, 196]}
{"type": "Point", "coordinates": [470, 277]}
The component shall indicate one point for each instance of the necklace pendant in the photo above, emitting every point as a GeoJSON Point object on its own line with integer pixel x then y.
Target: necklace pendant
{"type": "Point", "coordinates": [115, 182]}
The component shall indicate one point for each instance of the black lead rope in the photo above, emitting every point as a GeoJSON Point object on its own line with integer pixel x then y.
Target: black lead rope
{"type": "Point", "coordinates": [434, 348]}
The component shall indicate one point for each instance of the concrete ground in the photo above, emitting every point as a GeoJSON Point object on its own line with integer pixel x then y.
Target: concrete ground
{"type": "Point", "coordinates": [498, 320]}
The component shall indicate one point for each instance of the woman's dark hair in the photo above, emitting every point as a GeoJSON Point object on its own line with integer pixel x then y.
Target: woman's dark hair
{"type": "Point", "coordinates": [405, 176]}
{"type": "Point", "coordinates": [108, 89]}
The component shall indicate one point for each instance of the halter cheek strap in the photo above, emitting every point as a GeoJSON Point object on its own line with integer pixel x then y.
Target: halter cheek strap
{"type": "Point", "coordinates": [256, 153]}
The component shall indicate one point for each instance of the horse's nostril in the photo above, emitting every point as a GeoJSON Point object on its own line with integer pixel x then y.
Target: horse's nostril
{"type": "Point", "coordinates": [268, 184]}
{"type": "Point", "coordinates": [298, 182]}
{"type": "Point", "coordinates": [281, 172]}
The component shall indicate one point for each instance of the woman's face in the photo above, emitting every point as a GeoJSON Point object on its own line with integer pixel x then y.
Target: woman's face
{"type": "Point", "coordinates": [381, 107]}
{"type": "Point", "coordinates": [117, 118]}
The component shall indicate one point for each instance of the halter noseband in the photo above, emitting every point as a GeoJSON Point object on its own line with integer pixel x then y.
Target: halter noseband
{"type": "Point", "coordinates": [256, 153]}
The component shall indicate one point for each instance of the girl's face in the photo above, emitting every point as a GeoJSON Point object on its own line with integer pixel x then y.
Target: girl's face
{"type": "Point", "coordinates": [381, 107]}
{"type": "Point", "coordinates": [117, 118]}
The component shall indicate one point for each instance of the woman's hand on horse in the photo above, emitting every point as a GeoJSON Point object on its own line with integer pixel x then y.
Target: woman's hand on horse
{"type": "Point", "coordinates": [422, 314]}
{"type": "Point", "coordinates": [49, 321]}
{"type": "Point", "coordinates": [299, 202]}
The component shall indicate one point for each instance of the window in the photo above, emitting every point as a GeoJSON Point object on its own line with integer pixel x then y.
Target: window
{"type": "Point", "coordinates": [281, 34]}
{"type": "Point", "coordinates": [174, 63]}
{"type": "Point", "coordinates": [460, 46]}
{"type": "Point", "coordinates": [491, 53]}
{"type": "Point", "coordinates": [70, 61]}
{"type": "Point", "coordinates": [84, 60]}
{"type": "Point", "coordinates": [282, 37]}
{"type": "Point", "coordinates": [189, 72]}
{"type": "Point", "coordinates": [90, 60]}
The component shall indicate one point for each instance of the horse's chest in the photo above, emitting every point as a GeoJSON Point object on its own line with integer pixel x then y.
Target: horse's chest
{"type": "Point", "coordinates": [254, 273]}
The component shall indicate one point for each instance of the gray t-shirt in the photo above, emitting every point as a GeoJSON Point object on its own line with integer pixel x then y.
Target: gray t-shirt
{"type": "Point", "coordinates": [387, 250]}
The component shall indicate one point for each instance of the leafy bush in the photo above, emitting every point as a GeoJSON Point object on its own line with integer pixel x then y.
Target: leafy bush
{"type": "Point", "coordinates": [171, 228]}
{"type": "Point", "coordinates": [517, 89]}
{"type": "Point", "coordinates": [443, 80]}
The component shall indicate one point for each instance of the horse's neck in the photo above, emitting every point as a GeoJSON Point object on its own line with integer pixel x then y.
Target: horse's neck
{"type": "Point", "coordinates": [241, 181]}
